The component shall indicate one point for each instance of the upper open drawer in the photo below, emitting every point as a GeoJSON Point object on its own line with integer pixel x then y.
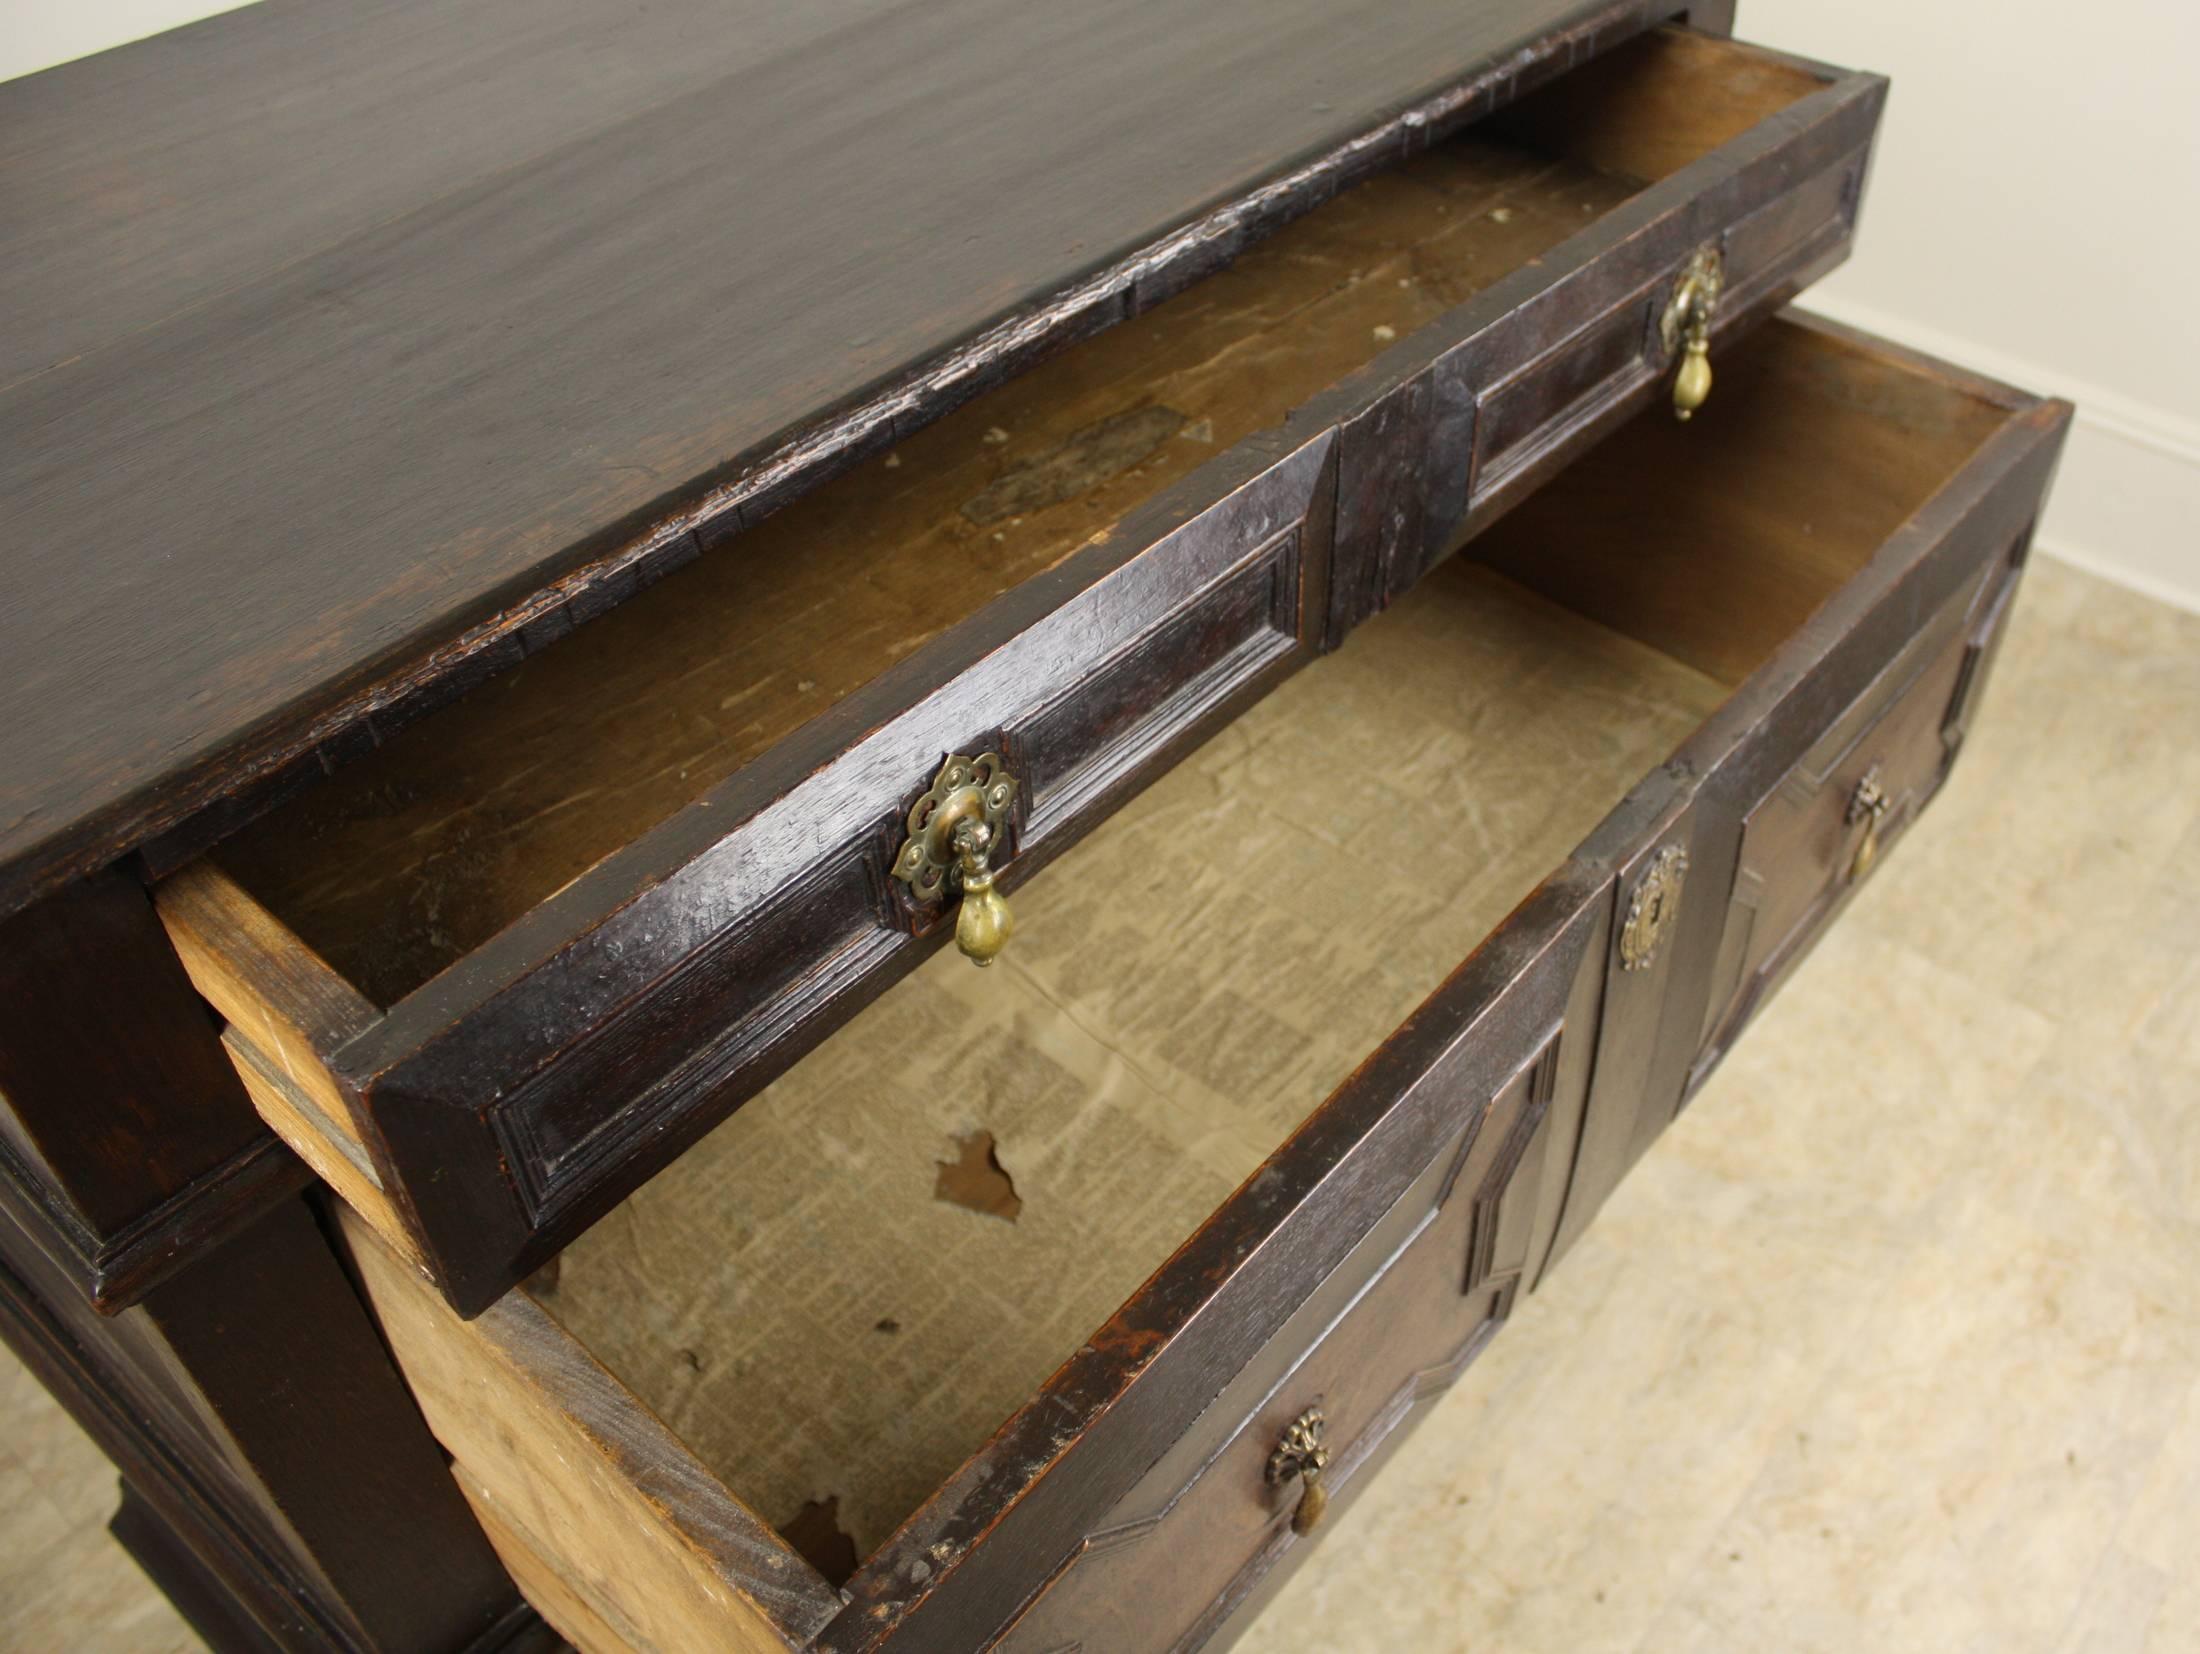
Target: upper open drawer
{"type": "Point", "coordinates": [515, 960]}
{"type": "Point", "coordinates": [1006, 1318]}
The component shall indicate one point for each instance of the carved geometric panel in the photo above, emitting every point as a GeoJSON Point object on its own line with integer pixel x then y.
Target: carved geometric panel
{"type": "Point", "coordinates": [1445, 1267]}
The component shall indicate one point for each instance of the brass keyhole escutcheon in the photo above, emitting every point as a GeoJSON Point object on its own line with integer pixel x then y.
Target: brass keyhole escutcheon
{"type": "Point", "coordinates": [1867, 804]}
{"type": "Point", "coordinates": [1300, 1452]}
{"type": "Point", "coordinates": [1651, 906]}
{"type": "Point", "coordinates": [955, 829]}
{"type": "Point", "coordinates": [1686, 328]}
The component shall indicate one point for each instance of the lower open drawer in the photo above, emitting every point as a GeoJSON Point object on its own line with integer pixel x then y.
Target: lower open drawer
{"type": "Point", "coordinates": [833, 1378]}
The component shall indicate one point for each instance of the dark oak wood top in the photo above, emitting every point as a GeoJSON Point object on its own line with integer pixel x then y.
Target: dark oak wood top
{"type": "Point", "coordinates": [352, 349]}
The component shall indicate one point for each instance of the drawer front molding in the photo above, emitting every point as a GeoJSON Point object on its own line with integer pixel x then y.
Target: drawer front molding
{"type": "Point", "coordinates": [1884, 674]}
{"type": "Point", "coordinates": [1464, 419]}
{"type": "Point", "coordinates": [1803, 848]}
{"type": "Point", "coordinates": [1414, 1320]}
{"type": "Point", "coordinates": [1361, 1270]}
{"type": "Point", "coordinates": [1362, 1267]}
{"type": "Point", "coordinates": [498, 1096]}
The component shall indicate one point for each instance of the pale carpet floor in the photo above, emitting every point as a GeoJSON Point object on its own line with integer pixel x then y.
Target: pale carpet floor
{"type": "Point", "coordinates": [1892, 1343]}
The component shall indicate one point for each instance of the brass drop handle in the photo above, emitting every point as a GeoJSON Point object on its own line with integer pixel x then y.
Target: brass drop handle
{"type": "Point", "coordinates": [1686, 327]}
{"type": "Point", "coordinates": [1867, 804]}
{"type": "Point", "coordinates": [983, 924]}
{"type": "Point", "coordinates": [955, 827]}
{"type": "Point", "coordinates": [1300, 1452]}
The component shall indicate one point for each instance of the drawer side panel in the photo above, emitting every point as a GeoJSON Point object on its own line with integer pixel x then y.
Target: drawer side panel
{"type": "Point", "coordinates": [609, 1498]}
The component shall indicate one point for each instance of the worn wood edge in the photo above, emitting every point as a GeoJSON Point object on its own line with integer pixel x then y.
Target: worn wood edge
{"type": "Point", "coordinates": [431, 1016]}
{"type": "Point", "coordinates": [412, 1067]}
{"type": "Point", "coordinates": [1676, 69]}
{"type": "Point", "coordinates": [1638, 241]}
{"type": "Point", "coordinates": [1132, 1347]}
{"type": "Point", "coordinates": [293, 1118]}
{"type": "Point", "coordinates": [287, 1013]}
{"type": "Point", "coordinates": [1704, 202]}
{"type": "Point", "coordinates": [1239, 1237]}
{"type": "Point", "coordinates": [534, 940]}
{"type": "Point", "coordinates": [480, 1252]}
{"type": "Point", "coordinates": [1734, 322]}
{"type": "Point", "coordinates": [1839, 117]}
{"type": "Point", "coordinates": [116, 1269]}
{"type": "Point", "coordinates": [1817, 68]}
{"type": "Point", "coordinates": [681, 846]}
{"type": "Point", "coordinates": [466, 1238]}
{"type": "Point", "coordinates": [556, 1441]}
{"type": "Point", "coordinates": [275, 992]}
{"type": "Point", "coordinates": [292, 748]}
{"type": "Point", "coordinates": [1697, 202]}
{"type": "Point", "coordinates": [553, 1596]}
{"type": "Point", "coordinates": [1968, 381]}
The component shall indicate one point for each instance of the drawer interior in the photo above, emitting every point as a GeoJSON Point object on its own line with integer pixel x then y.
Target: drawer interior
{"type": "Point", "coordinates": [415, 855]}
{"type": "Point", "coordinates": [1714, 541]}
{"type": "Point", "coordinates": [783, 1346]}
{"type": "Point", "coordinates": [840, 1293]}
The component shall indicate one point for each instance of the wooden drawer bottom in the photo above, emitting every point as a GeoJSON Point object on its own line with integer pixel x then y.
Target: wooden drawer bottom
{"type": "Point", "coordinates": [836, 1297]}
{"type": "Point", "coordinates": [762, 1403]}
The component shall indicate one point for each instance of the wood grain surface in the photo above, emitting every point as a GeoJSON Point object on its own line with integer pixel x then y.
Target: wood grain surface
{"type": "Point", "coordinates": [423, 850]}
{"type": "Point", "coordinates": [338, 335]}
{"type": "Point", "coordinates": [1818, 450]}
{"type": "Point", "coordinates": [793, 1296]}
{"type": "Point", "coordinates": [579, 983]}
{"type": "Point", "coordinates": [1134, 1388]}
{"type": "Point", "coordinates": [566, 1457]}
{"type": "Point", "coordinates": [419, 853]}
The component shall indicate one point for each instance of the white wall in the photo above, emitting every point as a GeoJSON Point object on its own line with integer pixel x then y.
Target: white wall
{"type": "Point", "coordinates": [37, 34]}
{"type": "Point", "coordinates": [2034, 213]}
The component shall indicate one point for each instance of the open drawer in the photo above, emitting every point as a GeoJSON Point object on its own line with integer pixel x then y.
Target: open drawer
{"type": "Point", "coordinates": [1801, 781]}
{"type": "Point", "coordinates": [762, 1403]}
{"type": "Point", "coordinates": [518, 958]}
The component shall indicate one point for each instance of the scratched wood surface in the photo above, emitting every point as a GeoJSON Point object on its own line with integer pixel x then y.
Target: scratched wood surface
{"type": "Point", "coordinates": [792, 1296]}
{"type": "Point", "coordinates": [418, 854]}
{"type": "Point", "coordinates": [336, 330]}
{"type": "Point", "coordinates": [451, 830]}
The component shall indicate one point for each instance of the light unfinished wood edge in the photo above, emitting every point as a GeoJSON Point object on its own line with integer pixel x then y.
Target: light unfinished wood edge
{"type": "Point", "coordinates": [281, 999]}
{"type": "Point", "coordinates": [579, 1621]}
{"type": "Point", "coordinates": [635, 1528]}
{"type": "Point", "coordinates": [339, 1163]}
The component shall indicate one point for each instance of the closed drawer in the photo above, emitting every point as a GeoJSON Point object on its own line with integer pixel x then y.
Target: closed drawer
{"type": "Point", "coordinates": [1817, 831]}
{"type": "Point", "coordinates": [519, 957]}
{"type": "Point", "coordinates": [984, 1322]}
{"type": "Point", "coordinates": [1381, 1338]}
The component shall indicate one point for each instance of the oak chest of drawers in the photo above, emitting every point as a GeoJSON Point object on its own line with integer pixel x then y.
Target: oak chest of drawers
{"type": "Point", "coordinates": [1226, 563]}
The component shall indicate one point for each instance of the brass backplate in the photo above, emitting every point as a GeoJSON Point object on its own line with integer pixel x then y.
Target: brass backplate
{"type": "Point", "coordinates": [977, 790]}
{"type": "Point", "coordinates": [1300, 1447]}
{"type": "Point", "coordinates": [1651, 906]}
{"type": "Point", "coordinates": [1695, 296]}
